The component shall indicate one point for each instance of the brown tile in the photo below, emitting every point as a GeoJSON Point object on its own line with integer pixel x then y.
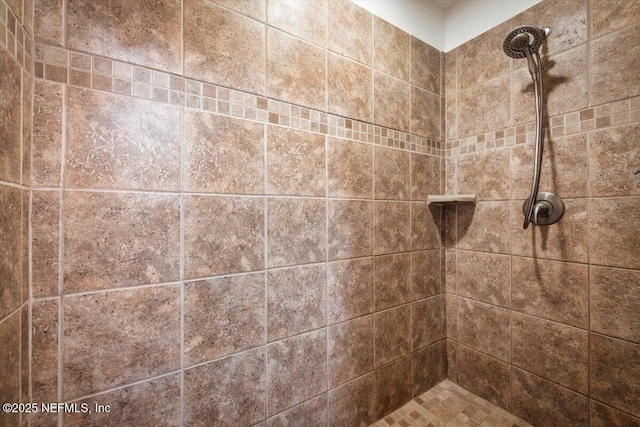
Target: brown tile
{"type": "Point", "coordinates": [425, 176]}
{"type": "Point", "coordinates": [452, 360]}
{"type": "Point", "coordinates": [45, 241]}
{"type": "Point", "coordinates": [450, 271]}
{"type": "Point", "coordinates": [255, 9]}
{"type": "Point", "coordinates": [296, 70]}
{"type": "Point", "coordinates": [475, 102]}
{"type": "Point", "coordinates": [392, 48]}
{"type": "Point", "coordinates": [350, 229]}
{"type": "Point", "coordinates": [25, 354]}
{"type": "Point", "coordinates": [350, 289]}
{"type": "Point", "coordinates": [10, 144]}
{"type": "Point", "coordinates": [554, 290]}
{"type": "Point", "coordinates": [27, 127]}
{"type": "Point", "coordinates": [614, 158]}
{"type": "Point", "coordinates": [350, 347]}
{"type": "Point", "coordinates": [607, 16]}
{"type": "Point", "coordinates": [392, 281]}
{"type": "Point", "coordinates": [391, 173]}
{"type": "Point", "coordinates": [425, 66]}
{"type": "Point", "coordinates": [485, 174]}
{"type": "Point", "coordinates": [613, 232]}
{"type": "Point", "coordinates": [349, 169]}
{"type": "Point", "coordinates": [428, 367]}
{"type": "Point", "coordinates": [302, 18]}
{"type": "Point", "coordinates": [10, 367]}
{"type": "Point", "coordinates": [100, 147]}
{"type": "Point", "coordinates": [352, 403]}
{"type": "Point", "coordinates": [44, 350]}
{"type": "Point", "coordinates": [223, 235]}
{"type": "Point", "coordinates": [613, 59]}
{"type": "Point", "coordinates": [391, 98]}
{"type": "Point", "coordinates": [485, 376]}
{"type": "Point", "coordinates": [143, 32]}
{"type": "Point", "coordinates": [392, 334]}
{"type": "Point", "coordinates": [350, 30]}
{"type": "Point", "coordinates": [295, 162]}
{"type": "Point", "coordinates": [109, 340]}
{"type": "Point", "coordinates": [295, 231]}
{"type": "Point", "coordinates": [425, 113]}
{"type": "Point", "coordinates": [563, 172]}
{"type": "Point", "coordinates": [427, 321]}
{"type": "Point", "coordinates": [452, 307]}
{"type": "Point", "coordinates": [605, 416]}
{"type": "Point", "coordinates": [151, 403]}
{"type": "Point", "coordinates": [296, 299]}
{"type": "Point", "coordinates": [349, 90]}
{"type": "Point", "coordinates": [485, 327]}
{"type": "Point", "coordinates": [544, 403]}
{"type": "Point", "coordinates": [565, 240]}
{"type": "Point", "coordinates": [135, 237]}
{"type": "Point", "coordinates": [485, 277]}
{"type": "Point", "coordinates": [482, 58]}
{"type": "Point", "coordinates": [484, 227]}
{"type": "Point", "coordinates": [425, 226]}
{"type": "Point", "coordinates": [227, 391]}
{"type": "Point", "coordinates": [391, 227]}
{"type": "Point", "coordinates": [223, 316]}
{"type": "Point", "coordinates": [297, 370]}
{"type": "Point", "coordinates": [425, 274]}
{"type": "Point", "coordinates": [450, 130]}
{"type": "Point", "coordinates": [47, 133]}
{"type": "Point", "coordinates": [554, 351]}
{"type": "Point", "coordinates": [223, 47]}
{"type": "Point", "coordinates": [392, 386]}
{"type": "Point", "coordinates": [47, 21]}
{"type": "Point", "coordinates": [312, 413]}
{"type": "Point", "coordinates": [223, 154]}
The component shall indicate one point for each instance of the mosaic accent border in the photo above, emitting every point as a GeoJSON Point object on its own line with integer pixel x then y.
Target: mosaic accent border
{"type": "Point", "coordinates": [94, 72]}
{"type": "Point", "coordinates": [15, 39]}
{"type": "Point", "coordinates": [606, 115]}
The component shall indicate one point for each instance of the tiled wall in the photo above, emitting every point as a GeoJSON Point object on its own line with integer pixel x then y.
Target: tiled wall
{"type": "Point", "coordinates": [544, 321]}
{"type": "Point", "coordinates": [229, 219]}
{"type": "Point", "coordinates": [16, 21]}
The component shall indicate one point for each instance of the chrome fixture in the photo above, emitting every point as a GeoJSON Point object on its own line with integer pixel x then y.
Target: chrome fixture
{"type": "Point", "coordinates": [524, 42]}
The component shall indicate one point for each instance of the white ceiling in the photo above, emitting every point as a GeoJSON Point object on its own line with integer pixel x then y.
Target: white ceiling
{"type": "Point", "coordinates": [444, 4]}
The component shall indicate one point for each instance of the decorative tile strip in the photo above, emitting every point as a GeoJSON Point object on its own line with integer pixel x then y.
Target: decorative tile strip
{"type": "Point", "coordinates": [89, 71]}
{"type": "Point", "coordinates": [15, 39]}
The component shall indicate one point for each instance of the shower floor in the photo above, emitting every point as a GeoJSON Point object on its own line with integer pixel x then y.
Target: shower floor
{"type": "Point", "coordinates": [449, 405]}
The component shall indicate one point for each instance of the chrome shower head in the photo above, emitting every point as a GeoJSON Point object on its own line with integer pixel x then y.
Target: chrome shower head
{"type": "Point", "coordinates": [522, 38]}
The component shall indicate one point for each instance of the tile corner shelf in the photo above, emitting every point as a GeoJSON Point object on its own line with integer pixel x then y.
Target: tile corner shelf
{"type": "Point", "coordinates": [451, 199]}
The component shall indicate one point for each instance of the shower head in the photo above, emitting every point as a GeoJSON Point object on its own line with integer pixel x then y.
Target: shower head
{"type": "Point", "coordinates": [524, 38]}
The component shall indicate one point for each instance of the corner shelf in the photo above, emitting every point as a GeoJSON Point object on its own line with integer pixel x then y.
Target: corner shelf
{"type": "Point", "coordinates": [451, 199]}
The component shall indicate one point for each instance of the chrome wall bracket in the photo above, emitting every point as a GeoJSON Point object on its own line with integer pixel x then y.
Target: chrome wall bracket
{"type": "Point", "coordinates": [547, 210]}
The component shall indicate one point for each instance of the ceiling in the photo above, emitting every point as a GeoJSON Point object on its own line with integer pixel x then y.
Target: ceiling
{"type": "Point", "coordinates": [443, 4]}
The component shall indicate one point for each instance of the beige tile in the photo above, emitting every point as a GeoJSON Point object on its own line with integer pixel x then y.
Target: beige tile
{"type": "Point", "coordinates": [484, 227]}
{"type": "Point", "coordinates": [614, 59]}
{"type": "Point", "coordinates": [45, 242]}
{"type": "Point", "coordinates": [302, 18]}
{"type": "Point", "coordinates": [554, 290]}
{"type": "Point", "coordinates": [485, 327]}
{"type": "Point", "coordinates": [391, 227]}
{"type": "Point", "coordinates": [223, 154]}
{"type": "Point", "coordinates": [392, 48]}
{"type": "Point", "coordinates": [350, 289]}
{"type": "Point", "coordinates": [47, 133]}
{"type": "Point", "coordinates": [473, 104]}
{"type": "Point", "coordinates": [563, 172]}
{"type": "Point", "coordinates": [615, 302]}
{"type": "Point", "coordinates": [482, 58]}
{"type": "Point", "coordinates": [565, 240]}
{"type": "Point", "coordinates": [353, 403]}
{"type": "Point", "coordinates": [391, 174]}
{"type": "Point", "coordinates": [392, 386]}
{"type": "Point", "coordinates": [150, 403]}
{"type": "Point", "coordinates": [349, 169]}
{"type": "Point", "coordinates": [614, 156]}
{"type": "Point", "coordinates": [350, 30]}
{"type": "Point", "coordinates": [296, 71]}
{"type": "Point", "coordinates": [392, 280]}
{"type": "Point", "coordinates": [425, 226]}
{"type": "Point", "coordinates": [425, 176]}
{"type": "Point", "coordinates": [485, 277]}
{"type": "Point", "coordinates": [296, 300]}
{"type": "Point", "coordinates": [425, 277]}
{"type": "Point", "coordinates": [428, 367]}
{"type": "Point", "coordinates": [350, 229]}
{"type": "Point", "coordinates": [350, 350]}
{"type": "Point", "coordinates": [425, 66]}
{"type": "Point", "coordinates": [485, 174]}
{"type": "Point", "coordinates": [425, 113]}
{"type": "Point", "coordinates": [109, 340]}
{"type": "Point", "coordinates": [223, 316]}
{"type": "Point", "coordinates": [10, 144]}
{"type": "Point", "coordinates": [350, 88]}
{"type": "Point", "coordinates": [223, 47]}
{"type": "Point", "coordinates": [613, 236]}
{"type": "Point", "coordinates": [223, 235]}
{"type": "Point", "coordinates": [295, 231]}
{"type": "Point", "coordinates": [10, 367]}
{"type": "Point", "coordinates": [312, 413]}
{"type": "Point", "coordinates": [256, 9]}
{"type": "Point", "coordinates": [296, 370]}
{"type": "Point", "coordinates": [391, 102]}
{"type": "Point", "coordinates": [142, 32]}
{"type": "Point", "coordinates": [544, 403]}
{"type": "Point", "coordinates": [133, 236]}
{"type": "Point", "coordinates": [451, 118]}
{"type": "Point", "coordinates": [427, 321]}
{"type": "Point", "coordinates": [295, 162]}
{"type": "Point", "coordinates": [230, 390]}
{"type": "Point", "coordinates": [615, 373]}
{"type": "Point", "coordinates": [607, 15]}
{"type": "Point", "coordinates": [118, 142]}
{"type": "Point", "coordinates": [554, 351]}
{"type": "Point", "coordinates": [392, 334]}
{"type": "Point", "coordinates": [605, 416]}
{"type": "Point", "coordinates": [47, 21]}
{"type": "Point", "coordinates": [487, 377]}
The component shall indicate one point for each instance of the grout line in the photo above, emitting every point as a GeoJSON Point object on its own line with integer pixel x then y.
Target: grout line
{"type": "Point", "coordinates": [265, 133]}
{"type": "Point", "coordinates": [182, 260]}
{"type": "Point", "coordinates": [63, 153]}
